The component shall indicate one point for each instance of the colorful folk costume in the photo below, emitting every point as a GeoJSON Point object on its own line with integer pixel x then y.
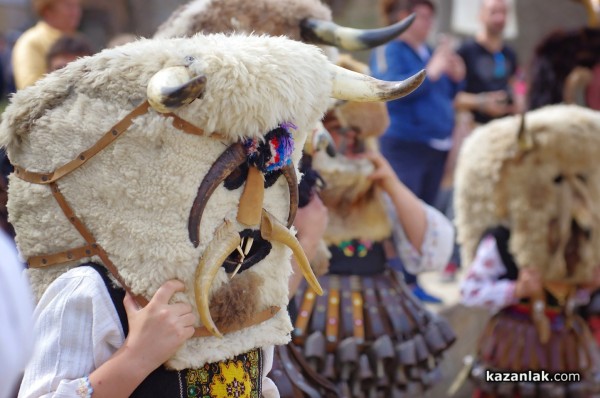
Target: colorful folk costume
{"type": "Point", "coordinates": [368, 335]}
{"type": "Point", "coordinates": [528, 195]}
{"type": "Point", "coordinates": [168, 159]}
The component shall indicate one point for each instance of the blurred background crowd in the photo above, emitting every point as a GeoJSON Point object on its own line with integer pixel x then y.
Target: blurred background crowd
{"type": "Point", "coordinates": [102, 20]}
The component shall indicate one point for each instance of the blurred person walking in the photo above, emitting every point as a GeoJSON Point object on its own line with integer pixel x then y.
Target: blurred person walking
{"type": "Point", "coordinates": [419, 137]}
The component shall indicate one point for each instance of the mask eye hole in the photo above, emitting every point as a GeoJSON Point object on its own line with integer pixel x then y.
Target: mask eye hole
{"type": "Point", "coordinates": [237, 178]}
{"type": "Point", "coordinates": [271, 177]}
{"type": "Point", "coordinates": [558, 179]}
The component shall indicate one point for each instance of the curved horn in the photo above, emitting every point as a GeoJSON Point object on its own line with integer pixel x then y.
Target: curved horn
{"type": "Point", "coordinates": [272, 230]}
{"type": "Point", "coordinates": [229, 160]}
{"type": "Point", "coordinates": [173, 87]}
{"type": "Point", "coordinates": [353, 86]}
{"type": "Point", "coordinates": [225, 241]}
{"type": "Point", "coordinates": [524, 139]}
{"type": "Point", "coordinates": [592, 8]}
{"type": "Point", "coordinates": [320, 139]}
{"type": "Point", "coordinates": [327, 32]}
{"type": "Point", "coordinates": [290, 175]}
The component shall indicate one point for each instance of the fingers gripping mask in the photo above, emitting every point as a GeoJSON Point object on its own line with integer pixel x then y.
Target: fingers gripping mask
{"type": "Point", "coordinates": [177, 159]}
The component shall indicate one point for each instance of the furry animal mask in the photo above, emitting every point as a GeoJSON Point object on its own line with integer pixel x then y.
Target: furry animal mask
{"type": "Point", "coordinates": [542, 183]}
{"type": "Point", "coordinates": [303, 20]}
{"type": "Point", "coordinates": [161, 157]}
{"type": "Point", "coordinates": [354, 201]}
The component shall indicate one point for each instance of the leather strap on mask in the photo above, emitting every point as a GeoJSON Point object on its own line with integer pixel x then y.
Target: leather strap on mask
{"type": "Point", "coordinates": [92, 248]}
{"type": "Point", "coordinates": [111, 135]}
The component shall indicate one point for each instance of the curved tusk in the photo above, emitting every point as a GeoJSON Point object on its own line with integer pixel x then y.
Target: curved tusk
{"type": "Point", "coordinates": [272, 230]}
{"type": "Point", "coordinates": [229, 160]}
{"type": "Point", "coordinates": [593, 10]}
{"type": "Point", "coordinates": [173, 87]}
{"type": "Point", "coordinates": [326, 32]}
{"type": "Point", "coordinates": [225, 241]}
{"type": "Point", "coordinates": [353, 86]}
{"type": "Point", "coordinates": [289, 172]}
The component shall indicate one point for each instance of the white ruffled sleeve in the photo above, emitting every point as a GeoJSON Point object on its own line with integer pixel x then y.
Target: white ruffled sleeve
{"type": "Point", "coordinates": [77, 330]}
{"type": "Point", "coordinates": [482, 286]}
{"type": "Point", "coordinates": [437, 244]}
{"type": "Point", "coordinates": [269, 389]}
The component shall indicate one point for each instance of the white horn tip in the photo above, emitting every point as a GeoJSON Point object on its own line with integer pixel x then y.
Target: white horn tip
{"type": "Point", "coordinates": [163, 79]}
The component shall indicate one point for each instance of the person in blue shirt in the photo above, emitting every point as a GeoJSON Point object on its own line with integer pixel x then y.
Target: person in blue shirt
{"type": "Point", "coordinates": [419, 137]}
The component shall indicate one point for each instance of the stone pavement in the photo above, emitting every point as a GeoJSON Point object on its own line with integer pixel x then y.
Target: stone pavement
{"type": "Point", "coordinates": [467, 324]}
{"type": "Point", "coordinates": [447, 291]}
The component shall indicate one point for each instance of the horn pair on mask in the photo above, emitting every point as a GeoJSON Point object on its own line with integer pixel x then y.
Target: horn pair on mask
{"type": "Point", "coordinates": [326, 32]}
{"type": "Point", "coordinates": [174, 87]}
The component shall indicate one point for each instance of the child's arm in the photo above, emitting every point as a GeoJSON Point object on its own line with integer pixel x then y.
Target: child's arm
{"type": "Point", "coordinates": [423, 236]}
{"type": "Point", "coordinates": [155, 333]}
{"type": "Point", "coordinates": [78, 333]}
{"type": "Point", "coordinates": [409, 209]}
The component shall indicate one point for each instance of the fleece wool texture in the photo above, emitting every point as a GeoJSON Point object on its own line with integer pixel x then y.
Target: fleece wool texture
{"type": "Point", "coordinates": [537, 190]}
{"type": "Point", "coordinates": [135, 195]}
{"type": "Point", "coordinates": [270, 17]}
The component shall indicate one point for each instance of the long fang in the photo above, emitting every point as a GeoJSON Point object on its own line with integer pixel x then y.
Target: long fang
{"type": "Point", "coordinates": [248, 245]}
{"type": "Point", "coordinates": [235, 271]}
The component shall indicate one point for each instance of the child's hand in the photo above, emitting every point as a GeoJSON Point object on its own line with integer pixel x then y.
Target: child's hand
{"type": "Point", "coordinates": [311, 222]}
{"type": "Point", "coordinates": [529, 283]}
{"type": "Point", "coordinates": [494, 103]}
{"type": "Point", "coordinates": [456, 68]}
{"type": "Point", "coordinates": [383, 175]}
{"type": "Point", "coordinates": [159, 329]}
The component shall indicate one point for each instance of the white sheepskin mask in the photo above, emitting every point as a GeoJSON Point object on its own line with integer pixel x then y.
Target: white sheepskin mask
{"type": "Point", "coordinates": [136, 195]}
